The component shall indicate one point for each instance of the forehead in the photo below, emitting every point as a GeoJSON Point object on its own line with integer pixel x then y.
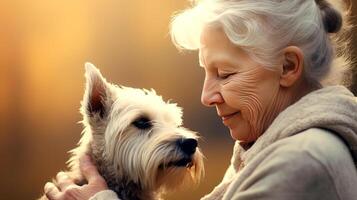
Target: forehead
{"type": "Point", "coordinates": [212, 35]}
{"type": "Point", "coordinates": [216, 47]}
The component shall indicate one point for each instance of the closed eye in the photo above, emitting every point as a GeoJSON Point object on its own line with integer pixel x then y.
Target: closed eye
{"type": "Point", "coordinates": [225, 76]}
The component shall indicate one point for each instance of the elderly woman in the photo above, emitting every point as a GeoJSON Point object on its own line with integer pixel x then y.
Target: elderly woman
{"type": "Point", "coordinates": [269, 68]}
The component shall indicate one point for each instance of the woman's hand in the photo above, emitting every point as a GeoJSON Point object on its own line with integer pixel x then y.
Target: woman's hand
{"type": "Point", "coordinates": [68, 190]}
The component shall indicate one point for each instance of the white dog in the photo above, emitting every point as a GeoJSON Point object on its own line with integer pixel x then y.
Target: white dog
{"type": "Point", "coordinates": [136, 140]}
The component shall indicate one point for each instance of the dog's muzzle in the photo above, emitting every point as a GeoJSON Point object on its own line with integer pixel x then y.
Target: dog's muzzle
{"type": "Point", "coordinates": [188, 148]}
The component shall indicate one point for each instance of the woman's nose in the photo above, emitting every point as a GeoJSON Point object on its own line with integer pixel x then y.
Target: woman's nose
{"type": "Point", "coordinates": [210, 95]}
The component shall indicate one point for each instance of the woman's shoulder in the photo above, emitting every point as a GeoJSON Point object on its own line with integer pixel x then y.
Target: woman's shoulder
{"type": "Point", "coordinates": [320, 144]}
{"type": "Point", "coordinates": [314, 164]}
{"type": "Point", "coordinates": [311, 145]}
{"type": "Point", "coordinates": [317, 152]}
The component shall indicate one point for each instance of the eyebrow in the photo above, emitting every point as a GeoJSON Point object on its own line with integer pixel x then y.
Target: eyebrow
{"type": "Point", "coordinates": [217, 63]}
{"type": "Point", "coordinates": [218, 60]}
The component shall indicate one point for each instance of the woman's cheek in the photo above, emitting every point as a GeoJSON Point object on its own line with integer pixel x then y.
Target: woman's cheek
{"type": "Point", "coordinates": [243, 95]}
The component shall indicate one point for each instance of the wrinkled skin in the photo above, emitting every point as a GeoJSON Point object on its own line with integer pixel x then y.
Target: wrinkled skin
{"type": "Point", "coordinates": [236, 83]}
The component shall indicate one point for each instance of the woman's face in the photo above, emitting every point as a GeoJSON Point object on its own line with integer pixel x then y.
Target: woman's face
{"type": "Point", "coordinates": [244, 93]}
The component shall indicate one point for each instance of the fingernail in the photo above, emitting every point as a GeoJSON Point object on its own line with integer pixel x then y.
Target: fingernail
{"type": "Point", "coordinates": [47, 186]}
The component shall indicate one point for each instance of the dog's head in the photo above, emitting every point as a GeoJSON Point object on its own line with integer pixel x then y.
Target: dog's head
{"type": "Point", "coordinates": [136, 136]}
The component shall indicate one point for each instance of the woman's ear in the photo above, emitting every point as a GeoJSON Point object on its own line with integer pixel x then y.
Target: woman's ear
{"type": "Point", "coordinates": [293, 66]}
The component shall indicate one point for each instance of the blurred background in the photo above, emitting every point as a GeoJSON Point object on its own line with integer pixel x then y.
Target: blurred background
{"type": "Point", "coordinates": [43, 47]}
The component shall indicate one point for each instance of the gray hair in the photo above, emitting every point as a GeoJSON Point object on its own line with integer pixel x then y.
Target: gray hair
{"type": "Point", "coordinates": [264, 28]}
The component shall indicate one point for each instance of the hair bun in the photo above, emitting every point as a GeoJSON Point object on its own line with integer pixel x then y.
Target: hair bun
{"type": "Point", "coordinates": [331, 18]}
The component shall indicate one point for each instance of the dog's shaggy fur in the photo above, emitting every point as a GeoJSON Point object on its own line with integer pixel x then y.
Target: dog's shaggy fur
{"type": "Point", "coordinates": [136, 140]}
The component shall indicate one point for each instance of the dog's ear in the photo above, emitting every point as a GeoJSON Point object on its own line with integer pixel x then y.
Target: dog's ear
{"type": "Point", "coordinates": [97, 97]}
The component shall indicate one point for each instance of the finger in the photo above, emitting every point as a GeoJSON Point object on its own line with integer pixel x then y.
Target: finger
{"type": "Point", "coordinates": [88, 169]}
{"type": "Point", "coordinates": [63, 181]}
{"type": "Point", "coordinates": [51, 191]}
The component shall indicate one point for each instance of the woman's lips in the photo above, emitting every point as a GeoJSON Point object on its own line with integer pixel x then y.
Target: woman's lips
{"type": "Point", "coordinates": [225, 118]}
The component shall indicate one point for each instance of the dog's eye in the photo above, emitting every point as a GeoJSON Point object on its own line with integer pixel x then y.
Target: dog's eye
{"type": "Point", "coordinates": [142, 123]}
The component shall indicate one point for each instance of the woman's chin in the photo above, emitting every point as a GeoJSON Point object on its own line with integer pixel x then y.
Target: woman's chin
{"type": "Point", "coordinates": [235, 134]}
{"type": "Point", "coordinates": [241, 135]}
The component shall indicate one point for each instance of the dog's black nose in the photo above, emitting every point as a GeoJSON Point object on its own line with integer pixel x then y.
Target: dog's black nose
{"type": "Point", "coordinates": [188, 146]}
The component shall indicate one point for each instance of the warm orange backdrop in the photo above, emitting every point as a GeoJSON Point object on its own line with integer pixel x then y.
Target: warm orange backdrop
{"type": "Point", "coordinates": [43, 46]}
